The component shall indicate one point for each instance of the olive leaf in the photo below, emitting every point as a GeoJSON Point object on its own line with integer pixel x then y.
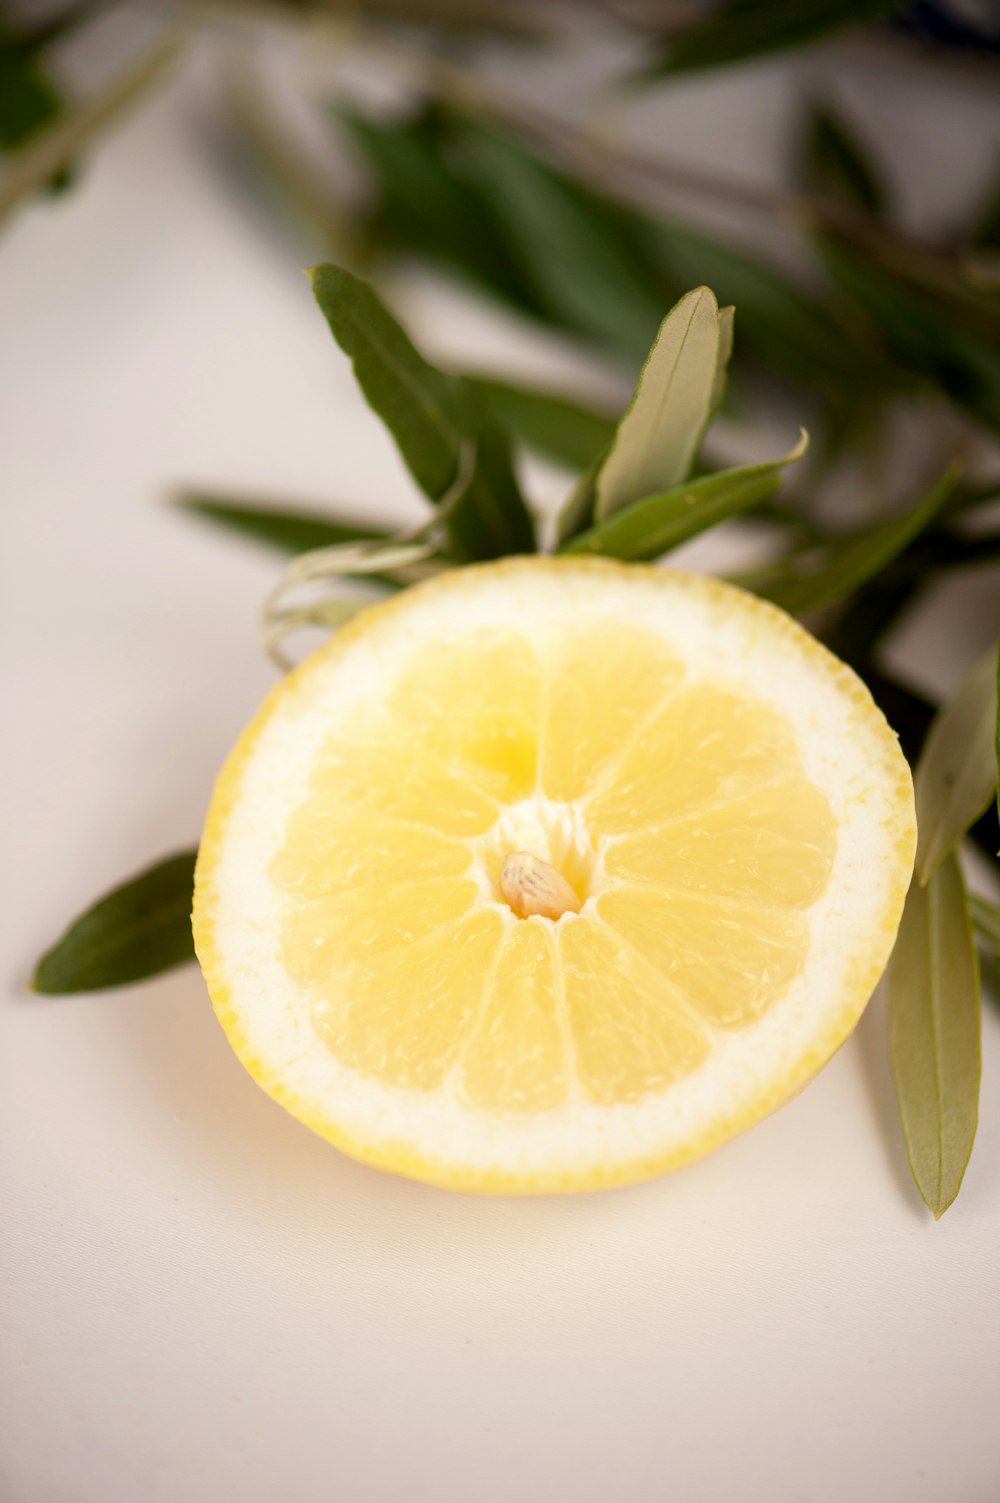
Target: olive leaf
{"type": "Point", "coordinates": [572, 251]}
{"type": "Point", "coordinates": [835, 165]}
{"type": "Point", "coordinates": [934, 1033]}
{"type": "Point", "coordinates": [432, 416]}
{"type": "Point", "coordinates": [997, 733]}
{"type": "Point", "coordinates": [726, 318]}
{"type": "Point", "coordinates": [417, 184]}
{"type": "Point", "coordinates": [576, 513]}
{"type": "Point", "coordinates": [559, 428]}
{"type": "Point", "coordinates": [986, 922]}
{"type": "Point", "coordinates": [936, 327]}
{"type": "Point", "coordinates": [820, 577]}
{"type": "Point", "coordinates": [956, 777]}
{"type": "Point", "coordinates": [137, 930]}
{"type": "Point", "coordinates": [657, 439]}
{"type": "Point", "coordinates": [747, 28]}
{"type": "Point", "coordinates": [278, 527]}
{"type": "Point", "coordinates": [653, 525]}
{"type": "Point", "coordinates": [434, 168]}
{"type": "Point", "coordinates": [28, 99]}
{"type": "Point", "coordinates": [47, 153]}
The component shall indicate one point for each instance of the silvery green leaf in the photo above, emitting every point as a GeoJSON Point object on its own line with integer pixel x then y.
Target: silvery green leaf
{"type": "Point", "coordinates": [725, 352]}
{"type": "Point", "coordinates": [956, 775]}
{"type": "Point", "coordinates": [658, 437]}
{"type": "Point", "coordinates": [986, 922]}
{"type": "Point", "coordinates": [934, 1033]}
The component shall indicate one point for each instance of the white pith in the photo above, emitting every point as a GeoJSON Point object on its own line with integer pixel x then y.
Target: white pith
{"type": "Point", "coordinates": [728, 642]}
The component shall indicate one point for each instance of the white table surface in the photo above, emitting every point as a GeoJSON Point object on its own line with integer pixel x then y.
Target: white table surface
{"type": "Point", "coordinates": [203, 1302]}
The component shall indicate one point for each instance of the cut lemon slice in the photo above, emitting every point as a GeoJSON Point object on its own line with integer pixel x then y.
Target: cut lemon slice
{"type": "Point", "coordinates": [552, 874]}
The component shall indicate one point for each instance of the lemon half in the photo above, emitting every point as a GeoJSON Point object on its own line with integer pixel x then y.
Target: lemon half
{"type": "Point", "coordinates": [552, 874]}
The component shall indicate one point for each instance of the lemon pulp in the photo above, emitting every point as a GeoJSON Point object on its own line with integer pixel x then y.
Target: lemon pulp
{"type": "Point", "coordinates": [675, 805]}
{"type": "Point", "coordinates": [702, 823]}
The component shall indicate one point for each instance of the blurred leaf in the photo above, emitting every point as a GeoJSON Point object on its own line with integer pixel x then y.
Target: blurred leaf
{"type": "Point", "coordinates": [835, 166]}
{"type": "Point", "coordinates": [419, 191]}
{"type": "Point", "coordinates": [821, 577]}
{"type": "Point", "coordinates": [750, 28]}
{"type": "Point", "coordinates": [934, 1030]}
{"type": "Point", "coordinates": [137, 930]}
{"type": "Point", "coordinates": [278, 527]}
{"type": "Point", "coordinates": [577, 511]}
{"type": "Point", "coordinates": [650, 527]}
{"type": "Point", "coordinates": [432, 416]}
{"type": "Point", "coordinates": [550, 246]}
{"type": "Point", "coordinates": [876, 606]}
{"type": "Point", "coordinates": [657, 439]}
{"type": "Point", "coordinates": [997, 735]}
{"type": "Point", "coordinates": [557, 427]}
{"type": "Point", "coordinates": [781, 325]}
{"type": "Point", "coordinates": [50, 152]}
{"type": "Point", "coordinates": [568, 243]}
{"type": "Point", "coordinates": [947, 337]}
{"type": "Point", "coordinates": [985, 232]}
{"type": "Point", "coordinates": [28, 101]}
{"type": "Point", "coordinates": [956, 777]}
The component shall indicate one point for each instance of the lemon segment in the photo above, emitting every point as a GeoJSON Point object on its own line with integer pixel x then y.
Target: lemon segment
{"type": "Point", "coordinates": [401, 1016]}
{"type": "Point", "coordinates": [632, 1035]}
{"type": "Point", "coordinates": [600, 681]}
{"type": "Point", "coordinates": [516, 1058]}
{"type": "Point", "coordinates": [552, 874]}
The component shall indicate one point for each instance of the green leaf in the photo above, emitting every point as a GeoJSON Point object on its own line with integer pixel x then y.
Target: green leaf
{"type": "Point", "coordinates": [726, 316]}
{"type": "Point", "coordinates": [576, 513]}
{"type": "Point", "coordinates": [572, 249]}
{"type": "Point", "coordinates": [956, 776]}
{"type": "Point", "coordinates": [937, 328]}
{"type": "Point", "coordinates": [277, 527]}
{"type": "Point", "coordinates": [652, 526]}
{"type": "Point", "coordinates": [750, 28]}
{"type": "Point", "coordinates": [28, 101]}
{"type": "Point", "coordinates": [985, 233]}
{"type": "Point", "coordinates": [46, 154]}
{"type": "Point", "coordinates": [986, 922]}
{"type": "Point", "coordinates": [835, 165]}
{"type": "Point", "coordinates": [934, 1033]}
{"type": "Point", "coordinates": [419, 188]}
{"type": "Point", "coordinates": [658, 437]}
{"type": "Point", "coordinates": [141, 928]}
{"type": "Point", "coordinates": [433, 418]}
{"type": "Point", "coordinates": [786, 328]}
{"type": "Point", "coordinates": [585, 264]}
{"type": "Point", "coordinates": [819, 578]}
{"type": "Point", "coordinates": [557, 427]}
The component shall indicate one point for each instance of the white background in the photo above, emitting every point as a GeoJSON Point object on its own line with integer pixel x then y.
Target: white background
{"type": "Point", "coordinates": [202, 1302]}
